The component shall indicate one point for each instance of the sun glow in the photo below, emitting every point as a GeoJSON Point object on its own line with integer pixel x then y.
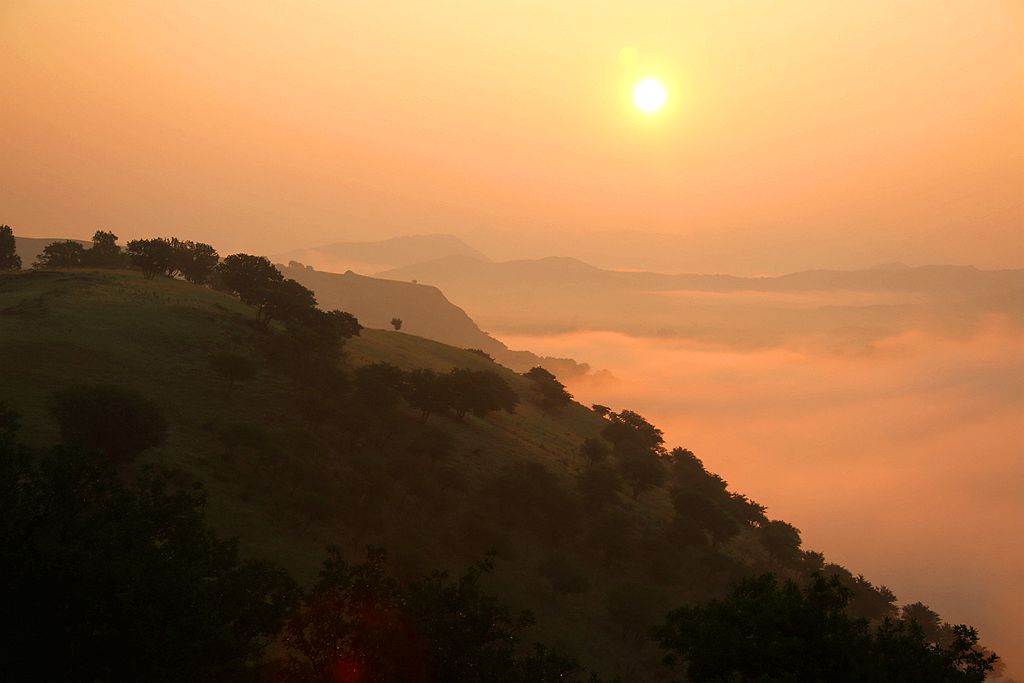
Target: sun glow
{"type": "Point", "coordinates": [650, 95]}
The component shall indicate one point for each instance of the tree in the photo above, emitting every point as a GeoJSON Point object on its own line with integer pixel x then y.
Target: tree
{"type": "Point", "coordinates": [233, 368]}
{"type": "Point", "coordinates": [64, 254]}
{"type": "Point", "coordinates": [642, 470]}
{"type": "Point", "coordinates": [195, 261]}
{"type": "Point", "coordinates": [152, 256]}
{"type": "Point", "coordinates": [128, 580]}
{"type": "Point", "coordinates": [321, 334]}
{"type": "Point", "coordinates": [118, 422]}
{"type": "Point", "coordinates": [530, 496]}
{"type": "Point", "coordinates": [782, 541]}
{"type": "Point", "coordinates": [422, 390]}
{"type": "Point", "coordinates": [379, 386]}
{"type": "Point", "coordinates": [764, 631]}
{"type": "Point", "coordinates": [249, 277]}
{"type": "Point", "coordinates": [629, 432]}
{"type": "Point", "coordinates": [549, 392]}
{"type": "Point", "coordinates": [9, 259]}
{"type": "Point", "coordinates": [104, 252]}
{"type": "Point", "coordinates": [286, 300]}
{"type": "Point", "coordinates": [477, 391]}
{"type": "Point", "coordinates": [396, 323]}
{"type": "Point", "coordinates": [707, 514]}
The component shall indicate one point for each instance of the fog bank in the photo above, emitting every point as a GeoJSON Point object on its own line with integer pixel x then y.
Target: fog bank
{"type": "Point", "coordinates": [902, 460]}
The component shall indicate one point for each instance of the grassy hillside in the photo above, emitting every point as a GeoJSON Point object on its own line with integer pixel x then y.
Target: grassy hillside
{"type": "Point", "coordinates": [424, 311]}
{"type": "Point", "coordinates": [288, 484]}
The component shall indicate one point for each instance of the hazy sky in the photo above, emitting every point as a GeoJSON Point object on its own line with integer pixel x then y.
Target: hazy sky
{"type": "Point", "coordinates": [796, 133]}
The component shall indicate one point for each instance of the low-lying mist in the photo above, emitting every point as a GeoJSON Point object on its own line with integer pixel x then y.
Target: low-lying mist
{"type": "Point", "coordinates": [901, 459]}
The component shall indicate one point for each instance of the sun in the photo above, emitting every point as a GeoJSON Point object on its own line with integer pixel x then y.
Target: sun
{"type": "Point", "coordinates": [649, 95]}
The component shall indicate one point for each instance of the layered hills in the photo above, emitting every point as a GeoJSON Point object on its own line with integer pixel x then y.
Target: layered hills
{"type": "Point", "coordinates": [598, 543]}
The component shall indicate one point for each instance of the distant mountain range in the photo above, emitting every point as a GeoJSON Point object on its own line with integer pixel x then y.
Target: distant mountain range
{"type": "Point", "coordinates": [368, 257]}
{"type": "Point", "coordinates": [29, 248]}
{"type": "Point", "coordinates": [558, 294]}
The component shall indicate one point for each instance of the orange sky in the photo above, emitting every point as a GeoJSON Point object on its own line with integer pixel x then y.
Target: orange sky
{"type": "Point", "coordinates": [819, 133]}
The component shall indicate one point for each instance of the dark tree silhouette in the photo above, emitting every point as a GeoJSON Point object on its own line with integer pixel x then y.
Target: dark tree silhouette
{"type": "Point", "coordinates": [195, 261]}
{"type": "Point", "coordinates": [766, 632]}
{"type": "Point", "coordinates": [118, 422]}
{"type": "Point", "coordinates": [530, 496]}
{"type": "Point", "coordinates": [64, 254]}
{"type": "Point", "coordinates": [379, 386]}
{"type": "Point", "coordinates": [641, 470]}
{"type": "Point", "coordinates": [422, 390]}
{"type": "Point", "coordinates": [9, 259]}
{"type": "Point", "coordinates": [249, 277]}
{"type": "Point", "coordinates": [104, 252]}
{"type": "Point", "coordinates": [152, 256]}
{"type": "Point", "coordinates": [477, 391]}
{"type": "Point", "coordinates": [782, 541]}
{"type": "Point", "coordinates": [629, 432]}
{"type": "Point", "coordinates": [706, 514]}
{"type": "Point", "coordinates": [549, 393]}
{"type": "Point", "coordinates": [396, 323]}
{"type": "Point", "coordinates": [106, 582]}
{"type": "Point", "coordinates": [286, 300]}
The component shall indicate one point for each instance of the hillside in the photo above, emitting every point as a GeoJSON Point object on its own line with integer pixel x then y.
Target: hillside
{"type": "Point", "coordinates": [424, 311]}
{"type": "Point", "coordinates": [291, 466]}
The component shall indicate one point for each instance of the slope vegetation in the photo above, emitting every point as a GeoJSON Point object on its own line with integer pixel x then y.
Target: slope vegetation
{"type": "Point", "coordinates": [598, 528]}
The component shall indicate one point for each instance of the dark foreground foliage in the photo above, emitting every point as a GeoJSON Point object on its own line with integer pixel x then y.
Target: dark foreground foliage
{"type": "Point", "coordinates": [784, 633]}
{"type": "Point", "coordinates": [107, 581]}
{"type": "Point", "coordinates": [103, 579]}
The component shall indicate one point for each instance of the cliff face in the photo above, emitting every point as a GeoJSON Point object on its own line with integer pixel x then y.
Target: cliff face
{"type": "Point", "coordinates": [424, 310]}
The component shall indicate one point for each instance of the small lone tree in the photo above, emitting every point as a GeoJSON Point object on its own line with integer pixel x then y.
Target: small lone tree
{"type": "Point", "coordinates": [119, 422]}
{"type": "Point", "coordinates": [396, 323]}
{"type": "Point", "coordinates": [9, 259]}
